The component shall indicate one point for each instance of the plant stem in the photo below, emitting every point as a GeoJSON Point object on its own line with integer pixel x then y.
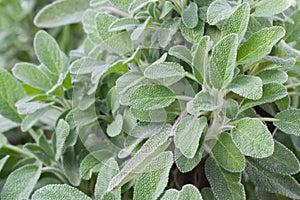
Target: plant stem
{"type": "Point", "coordinates": [57, 172]}
{"type": "Point", "coordinates": [33, 134]}
{"type": "Point", "coordinates": [17, 150]}
{"type": "Point", "coordinates": [184, 98]}
{"type": "Point", "coordinates": [191, 76]}
{"type": "Point", "coordinates": [293, 85]}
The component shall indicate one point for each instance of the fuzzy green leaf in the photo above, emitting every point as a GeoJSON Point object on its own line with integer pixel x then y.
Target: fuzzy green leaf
{"type": "Point", "coordinates": [32, 75]}
{"type": "Point", "coordinates": [207, 194]}
{"type": "Point", "coordinates": [227, 155]}
{"type": "Point", "coordinates": [238, 21]}
{"type": "Point", "coordinates": [225, 185]}
{"type": "Point", "coordinates": [272, 182]}
{"type": "Point", "coordinates": [182, 53]}
{"type": "Point", "coordinates": [218, 10]}
{"type": "Point", "coordinates": [152, 147]}
{"type": "Point", "coordinates": [187, 134]}
{"type": "Point", "coordinates": [147, 97]}
{"type": "Point", "coordinates": [167, 73]}
{"type": "Point", "coordinates": [253, 138]}
{"type": "Point", "coordinates": [38, 152]}
{"type": "Point", "coordinates": [21, 182]}
{"type": "Point", "coordinates": [203, 101]}
{"type": "Point", "coordinates": [259, 44]}
{"type": "Point", "coordinates": [61, 13]}
{"type": "Point", "coordinates": [188, 191]}
{"type": "Point", "coordinates": [282, 161]}
{"type": "Point", "coordinates": [154, 178]}
{"type": "Point", "coordinates": [266, 8]}
{"type": "Point", "coordinates": [48, 52]}
{"type": "Point", "coordinates": [190, 16]}
{"type": "Point", "coordinates": [62, 132]}
{"type": "Point", "coordinates": [250, 87]}
{"type": "Point", "coordinates": [193, 35]}
{"type": "Point", "coordinates": [271, 93]}
{"type": "Point", "coordinates": [138, 4]}
{"type": "Point", "coordinates": [289, 121]}
{"type": "Point", "coordinates": [70, 164]}
{"type": "Point", "coordinates": [231, 108]}
{"type": "Point", "coordinates": [59, 192]}
{"type": "Point", "coordinates": [223, 58]}
{"type": "Point", "coordinates": [115, 127]}
{"type": "Point", "coordinates": [273, 76]}
{"type": "Point", "coordinates": [185, 164]}
{"type": "Point", "coordinates": [10, 92]}
{"type": "Point", "coordinates": [166, 9]}
{"type": "Point", "coordinates": [200, 59]}
{"type": "Point", "coordinates": [127, 81]}
{"type": "Point", "coordinates": [108, 170]}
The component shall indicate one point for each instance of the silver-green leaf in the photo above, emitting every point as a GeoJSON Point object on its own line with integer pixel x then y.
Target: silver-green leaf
{"type": "Point", "coordinates": [267, 8]}
{"type": "Point", "coordinates": [288, 121]}
{"type": "Point", "coordinates": [190, 16]}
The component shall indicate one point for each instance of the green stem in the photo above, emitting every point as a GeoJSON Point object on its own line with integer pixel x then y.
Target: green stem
{"type": "Point", "coordinates": [17, 150]}
{"type": "Point", "coordinates": [293, 85]}
{"type": "Point", "coordinates": [184, 98]}
{"type": "Point", "coordinates": [191, 76]}
{"type": "Point", "coordinates": [33, 134]}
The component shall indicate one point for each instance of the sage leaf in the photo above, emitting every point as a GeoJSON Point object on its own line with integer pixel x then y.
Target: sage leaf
{"type": "Point", "coordinates": [188, 191]}
{"type": "Point", "coordinates": [282, 161]}
{"type": "Point", "coordinates": [167, 73]}
{"type": "Point", "coordinates": [273, 76]}
{"type": "Point", "coordinates": [127, 81]}
{"type": "Point", "coordinates": [259, 44]}
{"type": "Point", "coordinates": [200, 59]}
{"type": "Point", "coordinates": [190, 16]}
{"type": "Point", "coordinates": [61, 13]}
{"type": "Point", "coordinates": [192, 35]}
{"type": "Point", "coordinates": [231, 108]}
{"type": "Point", "coordinates": [155, 177]}
{"type": "Point", "coordinates": [218, 11]}
{"type": "Point", "coordinates": [185, 164]}
{"type": "Point", "coordinates": [272, 182]}
{"type": "Point", "coordinates": [203, 101]}
{"type": "Point", "coordinates": [207, 194]}
{"type": "Point", "coordinates": [11, 91]}
{"type": "Point", "coordinates": [271, 93]}
{"type": "Point", "coordinates": [122, 4]}
{"type": "Point", "coordinates": [138, 4]}
{"type": "Point", "coordinates": [62, 132]}
{"type": "Point", "coordinates": [288, 121]}
{"type": "Point", "coordinates": [48, 52]}
{"type": "Point", "coordinates": [152, 147]}
{"type": "Point", "coordinates": [32, 75]}
{"type": "Point", "coordinates": [267, 8]}
{"type": "Point", "coordinates": [223, 58]}
{"type": "Point", "coordinates": [227, 155]}
{"type": "Point", "coordinates": [238, 21]}
{"type": "Point", "coordinates": [70, 164]}
{"type": "Point", "coordinates": [247, 133]}
{"type": "Point", "coordinates": [250, 87]}
{"type": "Point", "coordinates": [292, 29]}
{"type": "Point", "coordinates": [224, 184]}
{"type": "Point", "coordinates": [147, 97]}
{"type": "Point", "coordinates": [182, 53]}
{"type": "Point", "coordinates": [59, 192]}
{"type": "Point", "coordinates": [21, 182]}
{"type": "Point", "coordinates": [115, 127]}
{"type": "Point", "coordinates": [32, 118]}
{"type": "Point", "coordinates": [108, 170]}
{"type": "Point", "coordinates": [187, 134]}
{"type": "Point", "coordinates": [166, 9]}
{"type": "Point", "coordinates": [38, 152]}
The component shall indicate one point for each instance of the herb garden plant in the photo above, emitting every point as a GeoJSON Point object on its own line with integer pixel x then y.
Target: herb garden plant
{"type": "Point", "coordinates": [163, 99]}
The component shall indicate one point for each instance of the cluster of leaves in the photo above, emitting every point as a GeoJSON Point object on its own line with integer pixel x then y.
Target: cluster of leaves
{"type": "Point", "coordinates": [208, 88]}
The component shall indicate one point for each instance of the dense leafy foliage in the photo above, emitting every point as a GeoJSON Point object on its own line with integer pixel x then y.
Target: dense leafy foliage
{"type": "Point", "coordinates": [168, 99]}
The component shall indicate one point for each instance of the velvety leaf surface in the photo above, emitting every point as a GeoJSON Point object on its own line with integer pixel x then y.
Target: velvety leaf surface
{"type": "Point", "coordinates": [62, 132]}
{"type": "Point", "coordinates": [147, 97]}
{"type": "Point", "coordinates": [259, 44]}
{"type": "Point", "coordinates": [225, 185]}
{"type": "Point", "coordinates": [289, 121]}
{"type": "Point", "coordinates": [10, 92]}
{"type": "Point", "coordinates": [152, 182]}
{"type": "Point", "coordinates": [21, 182]}
{"type": "Point", "coordinates": [238, 21]}
{"type": "Point", "coordinates": [190, 16]}
{"type": "Point", "coordinates": [187, 134]}
{"type": "Point", "coordinates": [115, 127]}
{"type": "Point", "coordinates": [282, 161]}
{"type": "Point", "coordinates": [223, 61]}
{"type": "Point", "coordinates": [268, 8]}
{"type": "Point", "coordinates": [253, 138]}
{"type": "Point", "coordinates": [188, 191]}
{"type": "Point", "coordinates": [61, 13]}
{"type": "Point", "coordinates": [227, 155]}
{"type": "Point", "coordinates": [218, 10]}
{"type": "Point", "coordinates": [59, 192]}
{"type": "Point", "coordinates": [273, 76]}
{"type": "Point", "coordinates": [250, 87]}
